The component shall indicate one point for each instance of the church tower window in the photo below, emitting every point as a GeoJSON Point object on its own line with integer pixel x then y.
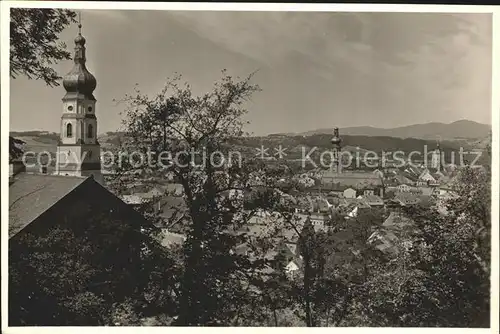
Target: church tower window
{"type": "Point", "coordinates": [69, 130]}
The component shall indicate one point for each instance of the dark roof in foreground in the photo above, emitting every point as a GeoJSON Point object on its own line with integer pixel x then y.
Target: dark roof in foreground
{"type": "Point", "coordinates": [30, 195]}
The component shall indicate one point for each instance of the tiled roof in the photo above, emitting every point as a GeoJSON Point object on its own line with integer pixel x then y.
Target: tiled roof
{"type": "Point", "coordinates": [169, 238]}
{"type": "Point", "coordinates": [30, 195]}
{"type": "Point", "coordinates": [172, 206]}
{"type": "Point", "coordinates": [407, 198]}
{"type": "Point", "coordinates": [396, 221]}
{"type": "Point", "coordinates": [427, 191]}
{"type": "Point", "coordinates": [132, 199]}
{"type": "Point", "coordinates": [292, 247]}
{"type": "Point", "coordinates": [297, 261]}
{"type": "Point", "coordinates": [327, 186]}
{"type": "Point", "coordinates": [386, 239]}
{"type": "Point", "coordinates": [391, 182]}
{"type": "Point", "coordinates": [350, 179]}
{"type": "Point", "coordinates": [408, 177]}
{"type": "Point", "coordinates": [373, 200]}
{"type": "Point", "coordinates": [348, 202]}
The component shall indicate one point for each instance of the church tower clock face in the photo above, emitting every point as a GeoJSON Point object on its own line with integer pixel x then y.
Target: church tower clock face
{"type": "Point", "coordinates": [78, 150]}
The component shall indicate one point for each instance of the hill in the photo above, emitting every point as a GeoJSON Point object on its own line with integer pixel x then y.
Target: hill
{"type": "Point", "coordinates": [296, 146]}
{"type": "Point", "coordinates": [463, 129]}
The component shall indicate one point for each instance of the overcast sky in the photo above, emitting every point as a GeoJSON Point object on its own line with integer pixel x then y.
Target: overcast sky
{"type": "Point", "coordinates": [316, 70]}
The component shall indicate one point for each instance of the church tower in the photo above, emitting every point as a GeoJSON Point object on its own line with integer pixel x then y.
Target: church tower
{"type": "Point", "coordinates": [436, 158]}
{"type": "Point", "coordinates": [78, 151]}
{"type": "Point", "coordinates": [336, 141]}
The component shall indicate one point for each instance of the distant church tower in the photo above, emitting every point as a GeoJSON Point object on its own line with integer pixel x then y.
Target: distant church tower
{"type": "Point", "coordinates": [436, 158]}
{"type": "Point", "coordinates": [337, 141]}
{"type": "Point", "coordinates": [78, 151]}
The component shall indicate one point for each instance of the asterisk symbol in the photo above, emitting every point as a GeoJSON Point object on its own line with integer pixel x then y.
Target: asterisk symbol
{"type": "Point", "coordinates": [262, 152]}
{"type": "Point", "coordinates": [280, 151]}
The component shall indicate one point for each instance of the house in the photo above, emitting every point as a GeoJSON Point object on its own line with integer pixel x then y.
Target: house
{"type": "Point", "coordinates": [292, 269]}
{"type": "Point", "coordinates": [349, 193]}
{"type": "Point", "coordinates": [445, 190]}
{"type": "Point", "coordinates": [134, 201]}
{"type": "Point", "coordinates": [167, 238]}
{"type": "Point", "coordinates": [67, 218]}
{"type": "Point", "coordinates": [304, 204]}
{"type": "Point", "coordinates": [305, 180]}
{"type": "Point", "coordinates": [292, 248]}
{"type": "Point", "coordinates": [174, 189]}
{"type": "Point", "coordinates": [313, 203]}
{"type": "Point", "coordinates": [369, 192]}
{"type": "Point", "coordinates": [397, 221]}
{"type": "Point", "coordinates": [427, 191]}
{"type": "Point", "coordinates": [173, 209]}
{"type": "Point", "coordinates": [319, 221]}
{"type": "Point", "coordinates": [391, 183]}
{"type": "Point", "coordinates": [406, 199]}
{"type": "Point", "coordinates": [372, 200]}
{"type": "Point", "coordinates": [348, 202]}
{"type": "Point", "coordinates": [49, 195]}
{"type": "Point", "coordinates": [378, 173]}
{"type": "Point", "coordinates": [427, 177]}
{"type": "Point", "coordinates": [383, 241]}
{"type": "Point", "coordinates": [405, 177]}
{"type": "Point", "coordinates": [388, 239]}
{"type": "Point", "coordinates": [403, 188]}
{"type": "Point", "coordinates": [413, 170]}
{"type": "Point", "coordinates": [357, 209]}
{"type": "Point", "coordinates": [169, 176]}
{"type": "Point", "coordinates": [137, 199]}
{"type": "Point", "coordinates": [358, 181]}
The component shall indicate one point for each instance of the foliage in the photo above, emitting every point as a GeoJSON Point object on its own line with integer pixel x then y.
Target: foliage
{"type": "Point", "coordinates": [75, 281]}
{"type": "Point", "coordinates": [34, 45]}
{"type": "Point", "coordinates": [438, 268]}
{"type": "Point", "coordinates": [217, 284]}
{"type": "Point", "coordinates": [15, 148]}
{"type": "Point", "coordinates": [472, 209]}
{"type": "Point", "coordinates": [436, 273]}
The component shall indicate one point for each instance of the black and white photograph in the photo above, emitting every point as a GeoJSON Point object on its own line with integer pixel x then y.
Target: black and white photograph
{"type": "Point", "coordinates": [248, 167]}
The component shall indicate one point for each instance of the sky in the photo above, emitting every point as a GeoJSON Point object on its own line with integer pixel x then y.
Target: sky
{"type": "Point", "coordinates": [316, 70]}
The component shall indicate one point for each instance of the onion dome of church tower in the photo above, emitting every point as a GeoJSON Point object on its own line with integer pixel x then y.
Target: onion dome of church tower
{"type": "Point", "coordinates": [79, 82]}
{"type": "Point", "coordinates": [336, 140]}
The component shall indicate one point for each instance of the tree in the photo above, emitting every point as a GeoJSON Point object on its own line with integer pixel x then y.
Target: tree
{"type": "Point", "coordinates": [472, 208]}
{"type": "Point", "coordinates": [421, 281]}
{"type": "Point", "coordinates": [437, 266]}
{"type": "Point", "coordinates": [34, 45]}
{"type": "Point", "coordinates": [320, 294]}
{"type": "Point", "coordinates": [190, 136]}
{"type": "Point", "coordinates": [15, 148]}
